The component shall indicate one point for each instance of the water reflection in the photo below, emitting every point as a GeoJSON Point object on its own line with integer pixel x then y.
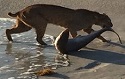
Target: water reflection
{"type": "Point", "coordinates": [29, 59]}
{"type": "Point", "coordinates": [25, 61]}
{"type": "Point", "coordinates": [9, 48]}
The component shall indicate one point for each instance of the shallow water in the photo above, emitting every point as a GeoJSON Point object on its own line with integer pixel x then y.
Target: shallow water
{"type": "Point", "coordinates": [18, 60]}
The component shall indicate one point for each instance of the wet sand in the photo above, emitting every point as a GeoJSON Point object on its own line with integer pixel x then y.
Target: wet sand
{"type": "Point", "coordinates": [97, 61]}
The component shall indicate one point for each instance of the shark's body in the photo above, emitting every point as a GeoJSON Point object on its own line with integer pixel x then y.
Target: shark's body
{"type": "Point", "coordinates": [65, 45]}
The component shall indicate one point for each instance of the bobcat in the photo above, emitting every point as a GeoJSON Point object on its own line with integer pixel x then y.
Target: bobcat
{"type": "Point", "coordinates": [39, 15]}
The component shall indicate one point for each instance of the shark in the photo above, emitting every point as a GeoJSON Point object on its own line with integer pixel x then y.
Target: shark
{"type": "Point", "coordinates": [64, 45]}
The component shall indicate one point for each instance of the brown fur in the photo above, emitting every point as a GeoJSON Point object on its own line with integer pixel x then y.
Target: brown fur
{"type": "Point", "coordinates": [39, 15]}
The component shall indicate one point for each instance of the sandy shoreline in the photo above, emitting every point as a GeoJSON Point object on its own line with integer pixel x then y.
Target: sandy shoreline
{"type": "Point", "coordinates": [99, 60]}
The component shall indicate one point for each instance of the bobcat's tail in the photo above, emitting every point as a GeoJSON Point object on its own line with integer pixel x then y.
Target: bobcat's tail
{"type": "Point", "coordinates": [13, 15]}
